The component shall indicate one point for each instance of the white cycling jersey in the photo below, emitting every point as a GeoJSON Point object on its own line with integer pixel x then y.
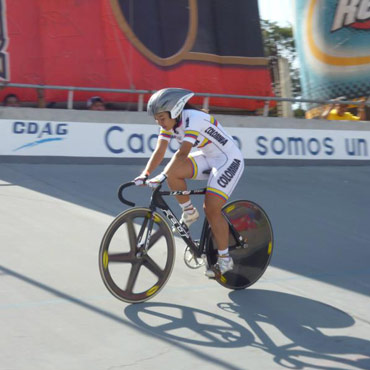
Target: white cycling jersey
{"type": "Point", "coordinates": [217, 151]}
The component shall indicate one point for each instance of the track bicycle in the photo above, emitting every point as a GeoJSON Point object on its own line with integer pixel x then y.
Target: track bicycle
{"type": "Point", "coordinates": [137, 252]}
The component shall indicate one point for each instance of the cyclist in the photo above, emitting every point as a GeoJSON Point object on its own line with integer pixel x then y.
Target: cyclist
{"type": "Point", "coordinates": [217, 159]}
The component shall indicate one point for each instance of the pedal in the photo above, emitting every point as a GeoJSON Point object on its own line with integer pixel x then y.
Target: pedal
{"type": "Point", "coordinates": [218, 277]}
{"type": "Point", "coordinates": [215, 271]}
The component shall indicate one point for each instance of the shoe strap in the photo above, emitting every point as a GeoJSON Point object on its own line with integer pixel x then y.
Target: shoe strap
{"type": "Point", "coordinates": [190, 210]}
{"type": "Point", "coordinates": [224, 256]}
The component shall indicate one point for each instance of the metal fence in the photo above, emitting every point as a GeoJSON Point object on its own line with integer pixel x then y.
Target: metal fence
{"type": "Point", "coordinates": [206, 96]}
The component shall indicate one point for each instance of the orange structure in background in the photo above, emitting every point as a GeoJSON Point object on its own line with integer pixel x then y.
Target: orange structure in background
{"type": "Point", "coordinates": [92, 44]}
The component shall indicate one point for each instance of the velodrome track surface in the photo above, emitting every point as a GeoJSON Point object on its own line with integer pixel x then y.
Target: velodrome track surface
{"type": "Point", "coordinates": [309, 311]}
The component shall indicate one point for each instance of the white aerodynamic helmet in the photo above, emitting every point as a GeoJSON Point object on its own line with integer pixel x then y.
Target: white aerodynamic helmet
{"type": "Point", "coordinates": [170, 100]}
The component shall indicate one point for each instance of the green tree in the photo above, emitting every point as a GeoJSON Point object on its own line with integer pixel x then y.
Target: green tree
{"type": "Point", "coordinates": [279, 42]}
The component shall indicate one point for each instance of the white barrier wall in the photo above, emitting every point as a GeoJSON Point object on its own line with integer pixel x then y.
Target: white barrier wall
{"type": "Point", "coordinates": [25, 133]}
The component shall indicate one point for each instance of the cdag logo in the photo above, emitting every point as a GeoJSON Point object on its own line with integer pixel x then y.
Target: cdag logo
{"type": "Point", "coordinates": [4, 63]}
{"type": "Point", "coordinates": [352, 13]}
{"type": "Point", "coordinates": [42, 132]}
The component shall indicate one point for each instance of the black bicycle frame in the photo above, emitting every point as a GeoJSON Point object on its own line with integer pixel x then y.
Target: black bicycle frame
{"type": "Point", "coordinates": [157, 201]}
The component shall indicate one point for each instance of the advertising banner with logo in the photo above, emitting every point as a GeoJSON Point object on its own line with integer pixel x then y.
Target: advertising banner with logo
{"type": "Point", "coordinates": [333, 42]}
{"type": "Point", "coordinates": [97, 140]}
{"type": "Point", "coordinates": [203, 45]}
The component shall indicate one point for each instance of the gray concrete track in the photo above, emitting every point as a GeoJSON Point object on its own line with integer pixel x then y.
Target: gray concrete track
{"type": "Point", "coordinates": [309, 311]}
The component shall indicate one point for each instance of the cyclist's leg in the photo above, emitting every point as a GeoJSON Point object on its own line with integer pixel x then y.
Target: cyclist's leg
{"type": "Point", "coordinates": [213, 204]}
{"type": "Point", "coordinates": [225, 174]}
{"type": "Point", "coordinates": [192, 169]}
{"type": "Point", "coordinates": [176, 179]}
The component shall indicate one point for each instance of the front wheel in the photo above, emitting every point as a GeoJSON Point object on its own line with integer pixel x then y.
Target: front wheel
{"type": "Point", "coordinates": [131, 273]}
{"type": "Point", "coordinates": [250, 261]}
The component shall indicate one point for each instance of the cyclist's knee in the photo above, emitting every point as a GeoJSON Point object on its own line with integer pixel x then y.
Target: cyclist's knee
{"type": "Point", "coordinates": [173, 180]}
{"type": "Point", "coordinates": [180, 173]}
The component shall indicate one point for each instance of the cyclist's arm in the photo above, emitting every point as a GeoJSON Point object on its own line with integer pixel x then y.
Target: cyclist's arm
{"type": "Point", "coordinates": [180, 157]}
{"type": "Point", "coordinates": [361, 113]}
{"type": "Point", "coordinates": [327, 111]}
{"type": "Point", "coordinates": [156, 157]}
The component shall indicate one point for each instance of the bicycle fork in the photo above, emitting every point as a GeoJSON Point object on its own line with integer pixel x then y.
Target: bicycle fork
{"type": "Point", "coordinates": [145, 233]}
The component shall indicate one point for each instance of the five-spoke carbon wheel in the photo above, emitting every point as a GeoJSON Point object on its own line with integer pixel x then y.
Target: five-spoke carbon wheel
{"type": "Point", "coordinates": [131, 274]}
{"type": "Point", "coordinates": [251, 261]}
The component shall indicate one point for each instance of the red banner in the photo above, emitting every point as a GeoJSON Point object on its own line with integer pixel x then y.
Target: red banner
{"type": "Point", "coordinates": [114, 44]}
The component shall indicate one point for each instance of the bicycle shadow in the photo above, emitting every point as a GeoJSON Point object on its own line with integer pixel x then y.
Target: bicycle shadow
{"type": "Point", "coordinates": [189, 325]}
{"type": "Point", "coordinates": [303, 322]}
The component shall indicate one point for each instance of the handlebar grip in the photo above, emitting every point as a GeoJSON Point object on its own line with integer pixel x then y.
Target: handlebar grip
{"type": "Point", "coordinates": [120, 195]}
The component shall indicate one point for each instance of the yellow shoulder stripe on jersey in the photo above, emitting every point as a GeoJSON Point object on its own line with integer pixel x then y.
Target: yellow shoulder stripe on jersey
{"type": "Point", "coordinates": [165, 133]}
{"type": "Point", "coordinates": [192, 132]}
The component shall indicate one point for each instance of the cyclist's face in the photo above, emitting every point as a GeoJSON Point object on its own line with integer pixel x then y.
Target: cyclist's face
{"type": "Point", "coordinates": [163, 119]}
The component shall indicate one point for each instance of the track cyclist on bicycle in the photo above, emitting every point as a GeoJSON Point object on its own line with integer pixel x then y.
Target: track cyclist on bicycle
{"type": "Point", "coordinates": [217, 159]}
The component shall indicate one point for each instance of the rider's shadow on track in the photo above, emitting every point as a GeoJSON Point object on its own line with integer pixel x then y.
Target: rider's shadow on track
{"type": "Point", "coordinates": [189, 325]}
{"type": "Point", "coordinates": [301, 321]}
{"type": "Point", "coordinates": [305, 323]}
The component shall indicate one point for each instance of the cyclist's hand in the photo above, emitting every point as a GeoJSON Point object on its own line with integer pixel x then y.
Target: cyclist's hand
{"type": "Point", "coordinates": [141, 179]}
{"type": "Point", "coordinates": [156, 181]}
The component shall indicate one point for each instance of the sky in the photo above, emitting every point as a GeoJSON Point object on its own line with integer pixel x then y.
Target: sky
{"type": "Point", "coordinates": [280, 11]}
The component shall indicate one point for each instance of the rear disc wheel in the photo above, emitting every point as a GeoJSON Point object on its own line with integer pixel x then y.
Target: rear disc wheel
{"type": "Point", "coordinates": [251, 261]}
